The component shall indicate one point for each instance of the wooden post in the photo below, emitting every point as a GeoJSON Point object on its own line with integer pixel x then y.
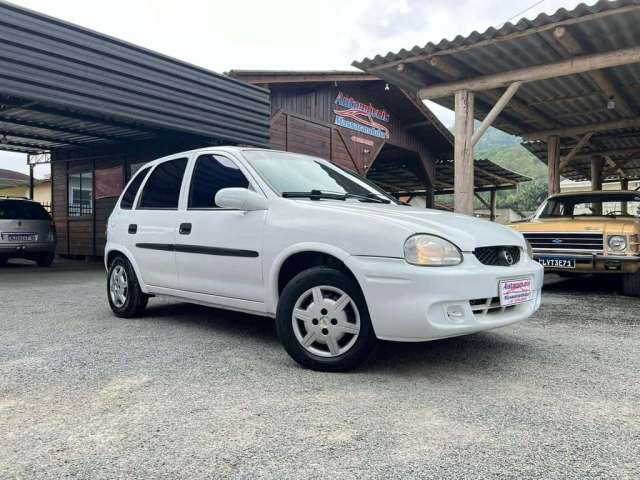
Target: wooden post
{"type": "Point", "coordinates": [428, 195]}
{"type": "Point", "coordinates": [553, 160]}
{"type": "Point", "coordinates": [493, 203]}
{"type": "Point", "coordinates": [596, 173]}
{"type": "Point", "coordinates": [463, 153]}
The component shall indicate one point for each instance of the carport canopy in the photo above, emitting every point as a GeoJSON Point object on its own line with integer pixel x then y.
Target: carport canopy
{"type": "Point", "coordinates": [63, 86]}
{"type": "Point", "coordinates": [567, 83]}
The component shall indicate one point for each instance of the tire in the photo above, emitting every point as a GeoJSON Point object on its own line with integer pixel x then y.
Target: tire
{"type": "Point", "coordinates": [45, 259]}
{"type": "Point", "coordinates": [3, 261]}
{"type": "Point", "coordinates": [631, 284]}
{"type": "Point", "coordinates": [123, 290]}
{"type": "Point", "coordinates": [337, 343]}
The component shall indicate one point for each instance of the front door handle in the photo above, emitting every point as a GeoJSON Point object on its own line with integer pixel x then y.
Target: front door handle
{"type": "Point", "coordinates": [133, 228]}
{"type": "Point", "coordinates": [185, 229]}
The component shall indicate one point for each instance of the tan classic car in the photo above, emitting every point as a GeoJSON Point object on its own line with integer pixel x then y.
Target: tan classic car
{"type": "Point", "coordinates": [588, 232]}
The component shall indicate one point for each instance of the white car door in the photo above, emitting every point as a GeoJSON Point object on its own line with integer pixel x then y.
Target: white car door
{"type": "Point", "coordinates": [218, 251]}
{"type": "Point", "coordinates": [152, 231]}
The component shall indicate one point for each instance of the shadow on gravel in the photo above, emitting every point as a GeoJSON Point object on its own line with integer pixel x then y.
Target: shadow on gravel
{"type": "Point", "coordinates": [482, 351]}
{"type": "Point", "coordinates": [602, 284]}
{"type": "Point", "coordinates": [219, 322]}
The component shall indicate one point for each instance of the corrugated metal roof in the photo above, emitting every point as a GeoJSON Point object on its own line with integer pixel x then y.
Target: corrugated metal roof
{"type": "Point", "coordinates": [114, 89]}
{"type": "Point", "coordinates": [567, 101]}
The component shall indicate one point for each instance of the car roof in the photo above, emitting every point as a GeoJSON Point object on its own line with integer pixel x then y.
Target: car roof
{"type": "Point", "coordinates": [24, 199]}
{"type": "Point", "coordinates": [594, 192]}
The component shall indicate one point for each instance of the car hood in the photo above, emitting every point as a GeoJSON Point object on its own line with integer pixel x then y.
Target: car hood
{"type": "Point", "coordinates": [586, 225]}
{"type": "Point", "coordinates": [465, 231]}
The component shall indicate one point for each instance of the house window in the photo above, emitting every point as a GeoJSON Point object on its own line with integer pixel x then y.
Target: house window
{"type": "Point", "coordinates": [80, 187]}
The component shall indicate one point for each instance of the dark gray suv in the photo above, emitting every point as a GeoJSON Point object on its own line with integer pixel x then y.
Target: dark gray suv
{"type": "Point", "coordinates": [26, 231]}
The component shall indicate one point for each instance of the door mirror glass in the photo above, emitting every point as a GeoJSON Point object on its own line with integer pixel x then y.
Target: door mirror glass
{"type": "Point", "coordinates": [240, 199]}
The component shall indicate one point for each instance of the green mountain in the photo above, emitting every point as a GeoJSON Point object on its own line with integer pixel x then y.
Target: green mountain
{"type": "Point", "coordinates": [506, 151]}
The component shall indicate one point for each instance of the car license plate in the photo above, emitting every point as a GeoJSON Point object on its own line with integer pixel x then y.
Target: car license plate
{"type": "Point", "coordinates": [557, 262]}
{"type": "Point", "coordinates": [516, 291]}
{"type": "Point", "coordinates": [19, 237]}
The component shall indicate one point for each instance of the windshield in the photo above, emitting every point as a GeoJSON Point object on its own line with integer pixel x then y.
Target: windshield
{"type": "Point", "coordinates": [592, 205]}
{"type": "Point", "coordinates": [290, 172]}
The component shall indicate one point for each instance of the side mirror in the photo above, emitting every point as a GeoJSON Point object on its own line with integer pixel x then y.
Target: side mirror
{"type": "Point", "coordinates": [240, 199]}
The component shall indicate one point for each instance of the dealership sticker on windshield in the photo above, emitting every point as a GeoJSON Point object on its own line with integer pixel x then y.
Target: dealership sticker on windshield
{"type": "Point", "coordinates": [514, 292]}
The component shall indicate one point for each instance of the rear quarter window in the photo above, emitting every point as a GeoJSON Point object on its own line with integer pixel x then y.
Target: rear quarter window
{"type": "Point", "coordinates": [22, 210]}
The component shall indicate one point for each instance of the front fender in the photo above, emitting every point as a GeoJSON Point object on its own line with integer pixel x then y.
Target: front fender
{"type": "Point", "coordinates": [272, 296]}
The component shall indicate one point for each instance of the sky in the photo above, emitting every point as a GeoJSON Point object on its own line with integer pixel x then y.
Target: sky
{"type": "Point", "coordinates": [284, 34]}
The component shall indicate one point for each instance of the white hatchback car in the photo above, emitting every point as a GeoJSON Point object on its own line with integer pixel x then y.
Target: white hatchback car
{"type": "Point", "coordinates": [337, 261]}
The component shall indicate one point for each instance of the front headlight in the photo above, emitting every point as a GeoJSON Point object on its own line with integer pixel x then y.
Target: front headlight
{"type": "Point", "coordinates": [529, 249]}
{"type": "Point", "coordinates": [617, 243]}
{"type": "Point", "coordinates": [429, 250]}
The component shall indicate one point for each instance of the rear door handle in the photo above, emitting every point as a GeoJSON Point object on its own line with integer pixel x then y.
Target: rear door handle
{"type": "Point", "coordinates": [133, 228]}
{"type": "Point", "coordinates": [185, 229]}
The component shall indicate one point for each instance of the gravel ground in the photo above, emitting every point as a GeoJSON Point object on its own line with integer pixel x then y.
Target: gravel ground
{"type": "Point", "coordinates": [191, 392]}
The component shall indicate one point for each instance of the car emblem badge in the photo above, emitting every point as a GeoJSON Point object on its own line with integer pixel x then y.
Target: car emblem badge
{"type": "Point", "coordinates": [556, 241]}
{"type": "Point", "coordinates": [507, 257]}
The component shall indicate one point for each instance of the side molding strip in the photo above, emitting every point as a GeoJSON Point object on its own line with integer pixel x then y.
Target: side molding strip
{"type": "Point", "coordinates": [218, 251]}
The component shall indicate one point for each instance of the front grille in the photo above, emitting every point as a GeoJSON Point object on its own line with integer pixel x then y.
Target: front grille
{"type": "Point", "coordinates": [500, 255]}
{"type": "Point", "coordinates": [488, 306]}
{"type": "Point", "coordinates": [588, 242]}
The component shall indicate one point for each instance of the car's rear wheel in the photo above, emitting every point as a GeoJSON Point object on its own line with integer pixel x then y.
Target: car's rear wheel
{"type": "Point", "coordinates": [45, 259]}
{"type": "Point", "coordinates": [323, 321]}
{"type": "Point", "coordinates": [631, 284]}
{"type": "Point", "coordinates": [123, 290]}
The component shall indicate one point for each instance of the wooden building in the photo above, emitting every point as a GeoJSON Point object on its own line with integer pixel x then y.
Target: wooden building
{"type": "Point", "coordinates": [357, 121]}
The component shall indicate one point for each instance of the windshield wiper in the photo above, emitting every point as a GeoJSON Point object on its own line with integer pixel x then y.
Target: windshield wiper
{"type": "Point", "coordinates": [320, 194]}
{"type": "Point", "coordinates": [315, 195]}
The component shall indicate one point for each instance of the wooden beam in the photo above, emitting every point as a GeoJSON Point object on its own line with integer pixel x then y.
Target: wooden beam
{"type": "Point", "coordinates": [575, 131]}
{"type": "Point", "coordinates": [495, 111]}
{"type": "Point", "coordinates": [463, 153]}
{"type": "Point", "coordinates": [613, 152]}
{"type": "Point", "coordinates": [574, 151]}
{"type": "Point", "coordinates": [616, 165]}
{"type": "Point", "coordinates": [564, 37]}
{"type": "Point", "coordinates": [482, 201]}
{"type": "Point", "coordinates": [553, 161]}
{"type": "Point", "coordinates": [571, 66]}
{"type": "Point", "coordinates": [453, 71]}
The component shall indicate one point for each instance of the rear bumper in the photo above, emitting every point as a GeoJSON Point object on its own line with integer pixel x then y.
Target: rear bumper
{"type": "Point", "coordinates": [595, 263]}
{"type": "Point", "coordinates": [22, 250]}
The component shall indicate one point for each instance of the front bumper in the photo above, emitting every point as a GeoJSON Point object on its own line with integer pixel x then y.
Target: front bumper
{"type": "Point", "coordinates": [410, 303]}
{"type": "Point", "coordinates": [595, 263]}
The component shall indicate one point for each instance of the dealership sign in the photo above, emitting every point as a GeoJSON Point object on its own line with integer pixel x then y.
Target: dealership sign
{"type": "Point", "coordinates": [361, 117]}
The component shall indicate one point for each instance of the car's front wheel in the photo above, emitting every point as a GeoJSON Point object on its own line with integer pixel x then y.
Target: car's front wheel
{"type": "Point", "coordinates": [323, 321]}
{"type": "Point", "coordinates": [631, 284]}
{"type": "Point", "coordinates": [123, 290]}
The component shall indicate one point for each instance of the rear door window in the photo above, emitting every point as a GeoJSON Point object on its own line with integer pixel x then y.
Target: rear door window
{"type": "Point", "coordinates": [22, 210]}
{"type": "Point", "coordinates": [132, 190]}
{"type": "Point", "coordinates": [162, 190]}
